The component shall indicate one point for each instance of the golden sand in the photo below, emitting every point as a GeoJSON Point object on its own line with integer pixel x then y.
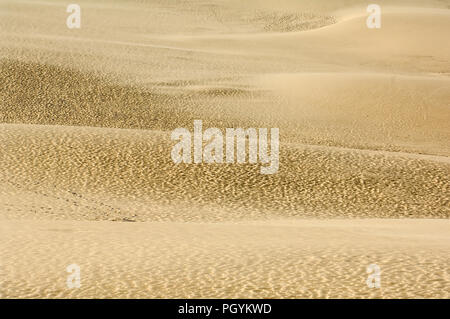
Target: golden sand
{"type": "Point", "coordinates": [86, 175]}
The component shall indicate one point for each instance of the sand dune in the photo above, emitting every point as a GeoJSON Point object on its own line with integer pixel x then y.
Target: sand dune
{"type": "Point", "coordinates": [302, 259]}
{"type": "Point", "coordinates": [131, 170]}
{"type": "Point", "coordinates": [381, 111]}
{"type": "Point", "coordinates": [85, 122]}
{"type": "Point", "coordinates": [412, 42]}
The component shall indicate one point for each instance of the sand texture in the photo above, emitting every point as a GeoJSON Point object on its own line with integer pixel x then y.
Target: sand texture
{"type": "Point", "coordinates": [86, 175]}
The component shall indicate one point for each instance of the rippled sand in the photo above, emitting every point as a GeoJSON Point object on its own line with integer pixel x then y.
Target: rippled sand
{"type": "Point", "coordinates": [86, 175]}
{"type": "Point", "coordinates": [280, 259]}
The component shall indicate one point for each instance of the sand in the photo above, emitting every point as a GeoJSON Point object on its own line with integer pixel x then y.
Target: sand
{"type": "Point", "coordinates": [280, 259]}
{"type": "Point", "coordinates": [86, 174]}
